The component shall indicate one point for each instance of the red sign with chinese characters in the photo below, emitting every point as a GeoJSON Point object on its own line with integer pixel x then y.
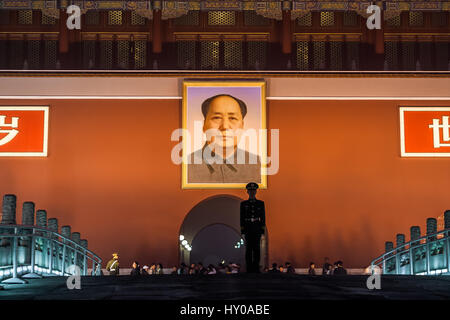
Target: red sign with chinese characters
{"type": "Point", "coordinates": [23, 131]}
{"type": "Point", "coordinates": [425, 131]}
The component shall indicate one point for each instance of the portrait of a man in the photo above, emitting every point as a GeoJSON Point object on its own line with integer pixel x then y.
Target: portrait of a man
{"type": "Point", "coordinates": [223, 161]}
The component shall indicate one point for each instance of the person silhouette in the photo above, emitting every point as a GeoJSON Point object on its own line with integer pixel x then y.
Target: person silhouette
{"type": "Point", "coordinates": [253, 224]}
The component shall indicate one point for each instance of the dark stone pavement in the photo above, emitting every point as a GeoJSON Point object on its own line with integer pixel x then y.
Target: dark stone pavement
{"type": "Point", "coordinates": [232, 287]}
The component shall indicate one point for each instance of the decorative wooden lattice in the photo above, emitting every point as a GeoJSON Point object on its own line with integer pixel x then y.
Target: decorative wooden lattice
{"type": "Point", "coordinates": [140, 54]}
{"type": "Point", "coordinates": [391, 54]}
{"type": "Point", "coordinates": [415, 19]}
{"type": "Point", "coordinates": [326, 19]}
{"type": "Point", "coordinates": [50, 53]}
{"type": "Point", "coordinates": [123, 54]}
{"type": "Point", "coordinates": [303, 55]}
{"type": "Point", "coordinates": [186, 54]}
{"type": "Point", "coordinates": [350, 19]}
{"type": "Point", "coordinates": [137, 20]}
{"type": "Point", "coordinates": [92, 18]}
{"type": "Point", "coordinates": [88, 54]}
{"type": "Point", "coordinates": [33, 54]}
{"type": "Point", "coordinates": [256, 54]}
{"type": "Point", "coordinates": [232, 55]}
{"type": "Point", "coordinates": [192, 18]}
{"type": "Point", "coordinates": [25, 17]}
{"type": "Point", "coordinates": [115, 18]}
{"type": "Point", "coordinates": [408, 56]}
{"type": "Point", "coordinates": [46, 20]}
{"type": "Point", "coordinates": [352, 55]}
{"type": "Point", "coordinates": [319, 55]}
{"type": "Point", "coordinates": [106, 61]}
{"type": "Point", "coordinates": [335, 55]}
{"type": "Point", "coordinates": [221, 18]}
{"type": "Point", "coordinates": [393, 22]}
{"type": "Point", "coordinates": [251, 18]}
{"type": "Point", "coordinates": [209, 55]}
{"type": "Point", "coordinates": [4, 17]}
{"type": "Point", "coordinates": [306, 20]}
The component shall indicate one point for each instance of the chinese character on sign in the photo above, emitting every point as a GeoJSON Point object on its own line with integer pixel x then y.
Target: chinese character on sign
{"type": "Point", "coordinates": [437, 132]}
{"type": "Point", "coordinates": [11, 133]}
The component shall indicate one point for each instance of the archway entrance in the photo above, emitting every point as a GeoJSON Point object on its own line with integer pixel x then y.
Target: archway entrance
{"type": "Point", "coordinates": [210, 233]}
{"type": "Point", "coordinates": [218, 243]}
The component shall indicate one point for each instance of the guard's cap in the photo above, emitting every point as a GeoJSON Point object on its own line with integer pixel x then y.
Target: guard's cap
{"type": "Point", "coordinates": [251, 186]}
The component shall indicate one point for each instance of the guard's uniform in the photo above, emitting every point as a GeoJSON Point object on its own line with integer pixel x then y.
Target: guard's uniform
{"type": "Point", "coordinates": [253, 223]}
{"type": "Point", "coordinates": [113, 267]}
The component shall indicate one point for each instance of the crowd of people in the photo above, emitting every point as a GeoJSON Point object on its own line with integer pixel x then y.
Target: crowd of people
{"type": "Point", "coordinates": [183, 269]}
{"type": "Point", "coordinates": [328, 269]}
{"type": "Point", "coordinates": [221, 268]}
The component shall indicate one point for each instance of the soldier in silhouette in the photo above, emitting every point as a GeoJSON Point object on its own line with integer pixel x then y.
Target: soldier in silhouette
{"type": "Point", "coordinates": [253, 224]}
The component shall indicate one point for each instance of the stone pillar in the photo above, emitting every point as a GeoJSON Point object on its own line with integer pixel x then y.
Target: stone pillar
{"type": "Point", "coordinates": [66, 255]}
{"type": "Point", "coordinates": [400, 240]}
{"type": "Point", "coordinates": [447, 246]}
{"type": "Point", "coordinates": [76, 258]}
{"type": "Point", "coordinates": [156, 27]}
{"type": "Point", "coordinates": [53, 224]}
{"type": "Point", "coordinates": [8, 218]}
{"type": "Point", "coordinates": [28, 213]}
{"type": "Point", "coordinates": [431, 227]}
{"type": "Point", "coordinates": [388, 246]}
{"type": "Point", "coordinates": [41, 218]}
{"type": "Point", "coordinates": [54, 251]}
{"type": "Point", "coordinates": [25, 242]}
{"type": "Point", "coordinates": [447, 219]}
{"type": "Point", "coordinates": [41, 253]}
{"type": "Point", "coordinates": [415, 234]}
{"type": "Point", "coordinates": [66, 231]}
{"type": "Point", "coordinates": [76, 237]}
{"type": "Point", "coordinates": [84, 244]}
{"type": "Point", "coordinates": [9, 209]}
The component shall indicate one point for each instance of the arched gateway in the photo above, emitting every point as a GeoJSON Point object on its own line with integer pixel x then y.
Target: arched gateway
{"type": "Point", "coordinates": [212, 229]}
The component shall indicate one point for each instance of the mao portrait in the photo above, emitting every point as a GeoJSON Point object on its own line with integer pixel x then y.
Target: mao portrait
{"type": "Point", "coordinates": [223, 144]}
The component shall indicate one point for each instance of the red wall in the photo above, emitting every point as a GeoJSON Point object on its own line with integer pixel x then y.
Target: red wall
{"type": "Point", "coordinates": [341, 191]}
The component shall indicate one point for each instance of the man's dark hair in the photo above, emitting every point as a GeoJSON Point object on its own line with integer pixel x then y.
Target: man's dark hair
{"type": "Point", "coordinates": [207, 103]}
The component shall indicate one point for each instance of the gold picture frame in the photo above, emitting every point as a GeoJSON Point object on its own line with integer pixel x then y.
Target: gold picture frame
{"type": "Point", "coordinates": [199, 89]}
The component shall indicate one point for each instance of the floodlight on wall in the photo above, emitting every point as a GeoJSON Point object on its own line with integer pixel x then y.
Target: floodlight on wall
{"type": "Point", "coordinates": [181, 237]}
{"type": "Point", "coordinates": [184, 242]}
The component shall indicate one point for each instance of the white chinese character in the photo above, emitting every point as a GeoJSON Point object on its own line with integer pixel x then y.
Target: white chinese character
{"type": "Point", "coordinates": [436, 132]}
{"type": "Point", "coordinates": [11, 133]}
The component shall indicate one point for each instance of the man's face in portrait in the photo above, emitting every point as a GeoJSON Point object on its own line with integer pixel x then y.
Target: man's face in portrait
{"type": "Point", "coordinates": [225, 115]}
